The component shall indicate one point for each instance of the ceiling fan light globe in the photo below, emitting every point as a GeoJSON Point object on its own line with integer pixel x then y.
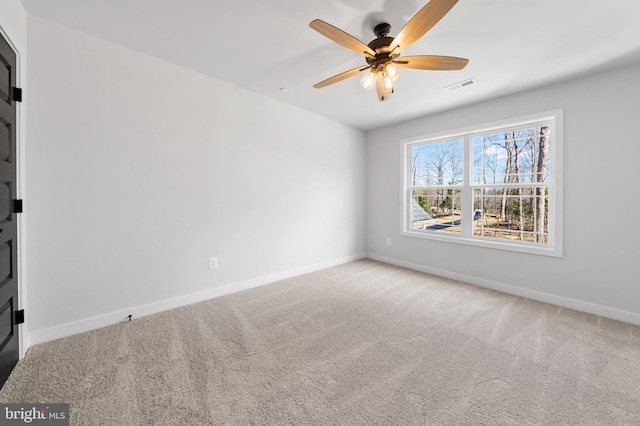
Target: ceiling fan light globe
{"type": "Point", "coordinates": [368, 80]}
{"type": "Point", "coordinates": [388, 84]}
{"type": "Point", "coordinates": [391, 70]}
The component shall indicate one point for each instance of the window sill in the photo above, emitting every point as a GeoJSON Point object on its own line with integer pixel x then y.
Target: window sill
{"type": "Point", "coordinates": [524, 247]}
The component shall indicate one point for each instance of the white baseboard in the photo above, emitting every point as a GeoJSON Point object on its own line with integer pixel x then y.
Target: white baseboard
{"type": "Point", "coordinates": [68, 329]}
{"type": "Point", "coordinates": [564, 302]}
{"type": "Point", "coordinates": [25, 343]}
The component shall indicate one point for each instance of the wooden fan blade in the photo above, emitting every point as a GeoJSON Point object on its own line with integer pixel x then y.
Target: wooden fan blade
{"type": "Point", "coordinates": [342, 38]}
{"type": "Point", "coordinates": [422, 22]}
{"type": "Point", "coordinates": [429, 62]}
{"type": "Point", "coordinates": [340, 77]}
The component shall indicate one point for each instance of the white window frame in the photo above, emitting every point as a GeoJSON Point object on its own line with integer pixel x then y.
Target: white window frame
{"type": "Point", "coordinates": [555, 214]}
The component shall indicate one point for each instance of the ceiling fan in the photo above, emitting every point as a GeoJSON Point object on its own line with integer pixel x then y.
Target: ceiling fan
{"type": "Point", "coordinates": [383, 53]}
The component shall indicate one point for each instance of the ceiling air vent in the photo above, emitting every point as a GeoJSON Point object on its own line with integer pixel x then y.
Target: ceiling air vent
{"type": "Point", "coordinates": [460, 85]}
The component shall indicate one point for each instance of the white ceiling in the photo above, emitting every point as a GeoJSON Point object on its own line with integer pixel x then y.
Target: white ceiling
{"type": "Point", "coordinates": [266, 45]}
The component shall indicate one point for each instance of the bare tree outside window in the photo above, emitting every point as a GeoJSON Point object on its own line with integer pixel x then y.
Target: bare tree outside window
{"type": "Point", "coordinates": [436, 171]}
{"type": "Point", "coordinates": [510, 168]}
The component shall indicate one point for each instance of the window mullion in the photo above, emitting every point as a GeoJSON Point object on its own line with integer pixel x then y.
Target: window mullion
{"type": "Point", "coordinates": [466, 203]}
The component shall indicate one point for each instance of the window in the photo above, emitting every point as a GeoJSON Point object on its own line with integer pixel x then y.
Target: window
{"type": "Point", "coordinates": [496, 185]}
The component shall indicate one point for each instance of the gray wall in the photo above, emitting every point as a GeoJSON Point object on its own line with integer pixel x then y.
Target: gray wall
{"type": "Point", "coordinates": [598, 272]}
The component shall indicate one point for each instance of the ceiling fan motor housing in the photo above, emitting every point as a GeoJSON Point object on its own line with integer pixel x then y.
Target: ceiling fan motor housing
{"type": "Point", "coordinates": [380, 45]}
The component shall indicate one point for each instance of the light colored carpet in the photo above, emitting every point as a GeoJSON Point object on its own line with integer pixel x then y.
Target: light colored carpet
{"type": "Point", "coordinates": [362, 343]}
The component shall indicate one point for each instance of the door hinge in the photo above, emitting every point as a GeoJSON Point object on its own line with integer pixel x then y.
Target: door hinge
{"type": "Point", "coordinates": [19, 316]}
{"type": "Point", "coordinates": [17, 206]}
{"type": "Point", "coordinates": [16, 94]}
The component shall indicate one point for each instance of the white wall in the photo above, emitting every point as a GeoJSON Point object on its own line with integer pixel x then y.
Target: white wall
{"type": "Point", "coordinates": [13, 21]}
{"type": "Point", "coordinates": [13, 26]}
{"type": "Point", "coordinates": [599, 270]}
{"type": "Point", "coordinates": [140, 170]}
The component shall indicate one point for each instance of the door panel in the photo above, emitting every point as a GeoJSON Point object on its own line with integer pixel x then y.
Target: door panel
{"type": "Point", "coordinates": [5, 142]}
{"type": "Point", "coordinates": [9, 345]}
{"type": "Point", "coordinates": [5, 76]}
{"type": "Point", "coordinates": [6, 324]}
{"type": "Point", "coordinates": [6, 272]}
{"type": "Point", "coordinates": [6, 202]}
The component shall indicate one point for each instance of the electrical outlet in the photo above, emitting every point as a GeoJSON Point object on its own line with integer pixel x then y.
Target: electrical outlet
{"type": "Point", "coordinates": [213, 263]}
{"type": "Point", "coordinates": [388, 241]}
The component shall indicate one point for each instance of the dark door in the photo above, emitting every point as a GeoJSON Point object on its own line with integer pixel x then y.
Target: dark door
{"type": "Point", "coordinates": [9, 348]}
